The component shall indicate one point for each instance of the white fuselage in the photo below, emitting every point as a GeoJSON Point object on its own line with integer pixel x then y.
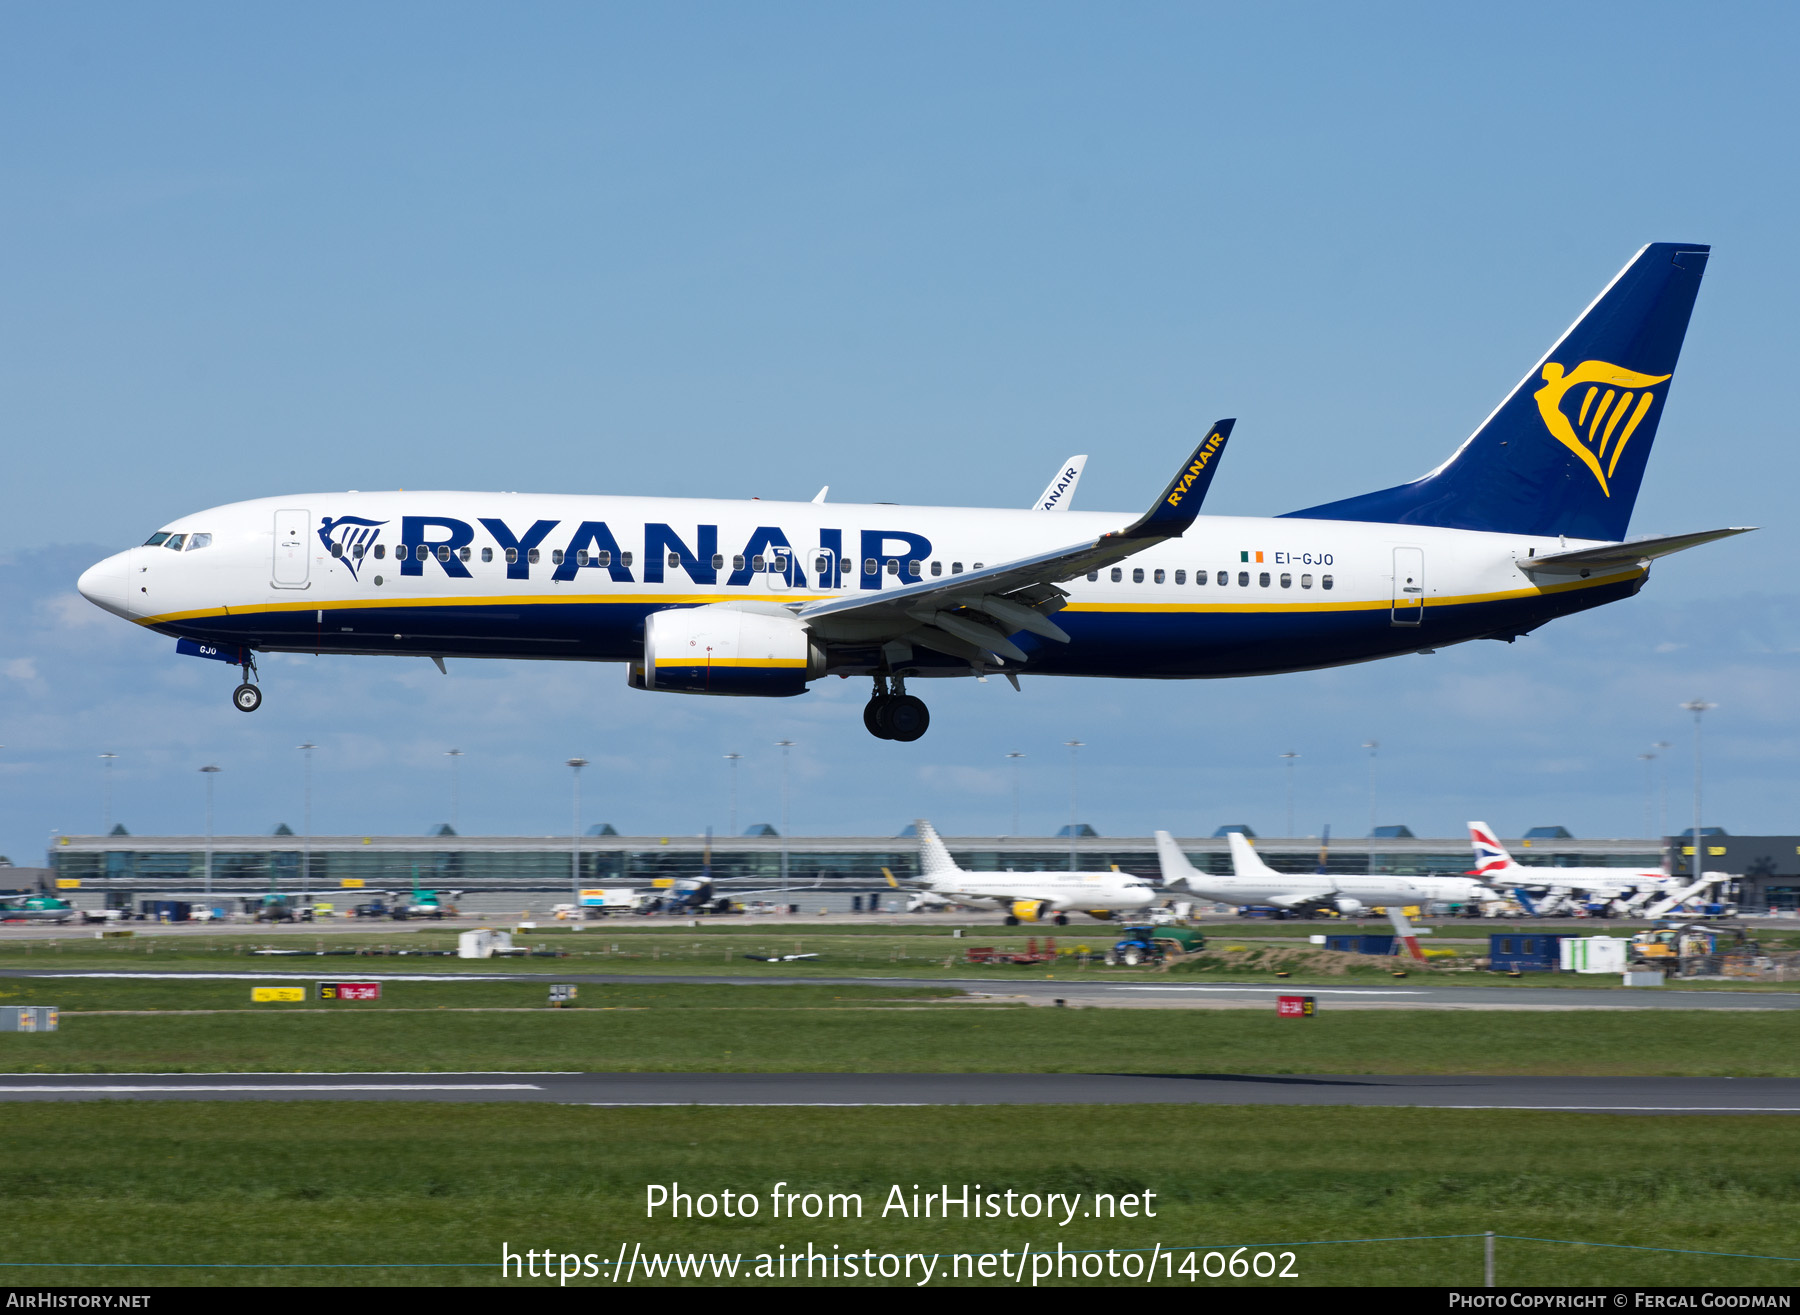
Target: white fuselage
{"type": "Point", "coordinates": [1292, 890]}
{"type": "Point", "coordinates": [1061, 892]}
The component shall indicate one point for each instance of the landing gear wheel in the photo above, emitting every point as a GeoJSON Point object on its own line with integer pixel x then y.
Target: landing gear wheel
{"type": "Point", "coordinates": [1011, 921]}
{"type": "Point", "coordinates": [872, 716]}
{"type": "Point", "coordinates": [905, 718]}
{"type": "Point", "coordinates": [246, 697]}
{"type": "Point", "coordinates": [1062, 920]}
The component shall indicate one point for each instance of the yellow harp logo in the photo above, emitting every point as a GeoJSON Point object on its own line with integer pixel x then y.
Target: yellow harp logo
{"type": "Point", "coordinates": [1596, 434]}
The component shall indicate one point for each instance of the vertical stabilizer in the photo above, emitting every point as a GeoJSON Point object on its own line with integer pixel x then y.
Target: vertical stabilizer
{"type": "Point", "coordinates": [1173, 863]}
{"type": "Point", "coordinates": [934, 857]}
{"type": "Point", "coordinates": [1245, 861]}
{"type": "Point", "coordinates": [1564, 453]}
{"type": "Point", "coordinates": [1491, 858]}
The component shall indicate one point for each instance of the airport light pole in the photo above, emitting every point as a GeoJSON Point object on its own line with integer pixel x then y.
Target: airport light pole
{"type": "Point", "coordinates": [209, 771]}
{"type": "Point", "coordinates": [575, 834]}
{"type": "Point", "coordinates": [1288, 759]}
{"type": "Point", "coordinates": [1372, 746]}
{"type": "Point", "coordinates": [455, 756]}
{"type": "Point", "coordinates": [306, 825]}
{"type": "Point", "coordinates": [1648, 759]}
{"type": "Point", "coordinates": [106, 812]}
{"type": "Point", "coordinates": [733, 759]}
{"type": "Point", "coordinates": [1074, 747]}
{"type": "Point", "coordinates": [1699, 707]}
{"type": "Point", "coordinates": [1015, 758]}
{"type": "Point", "coordinates": [784, 746]}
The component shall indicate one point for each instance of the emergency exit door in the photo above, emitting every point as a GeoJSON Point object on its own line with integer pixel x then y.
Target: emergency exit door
{"type": "Point", "coordinates": [1409, 586]}
{"type": "Point", "coordinates": [291, 551]}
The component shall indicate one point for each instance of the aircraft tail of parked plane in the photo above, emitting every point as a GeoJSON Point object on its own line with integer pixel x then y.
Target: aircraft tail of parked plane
{"type": "Point", "coordinates": [1492, 862]}
{"type": "Point", "coordinates": [934, 855]}
{"type": "Point", "coordinates": [1245, 861]}
{"type": "Point", "coordinates": [1600, 391]}
{"type": "Point", "coordinates": [1059, 493]}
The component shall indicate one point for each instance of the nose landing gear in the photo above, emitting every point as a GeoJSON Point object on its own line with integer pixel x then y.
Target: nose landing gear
{"type": "Point", "coordinates": [893, 714]}
{"type": "Point", "coordinates": [247, 697]}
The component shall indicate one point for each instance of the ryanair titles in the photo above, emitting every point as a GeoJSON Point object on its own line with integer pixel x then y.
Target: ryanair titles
{"type": "Point", "coordinates": [447, 544]}
{"type": "Point", "coordinates": [1196, 467]}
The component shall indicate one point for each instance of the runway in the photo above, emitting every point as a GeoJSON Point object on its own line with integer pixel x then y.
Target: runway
{"type": "Point", "coordinates": [1624, 1095]}
{"type": "Point", "coordinates": [1404, 993]}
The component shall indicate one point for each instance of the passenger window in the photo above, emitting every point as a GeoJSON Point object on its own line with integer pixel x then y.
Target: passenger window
{"type": "Point", "coordinates": [487, 554]}
{"type": "Point", "coordinates": [674, 559]}
{"type": "Point", "coordinates": [955, 568]}
{"type": "Point", "coordinates": [737, 562]}
{"type": "Point", "coordinates": [937, 568]}
{"type": "Point", "coordinates": [1263, 579]}
{"type": "Point", "coordinates": [893, 566]}
{"type": "Point", "coordinates": [1137, 575]}
{"type": "Point", "coordinates": [977, 566]}
{"type": "Point", "coordinates": [780, 564]}
{"type": "Point", "coordinates": [601, 558]}
{"type": "Point", "coordinates": [1117, 575]}
{"type": "Point", "coordinates": [175, 541]}
{"type": "Point", "coordinates": [1306, 582]}
{"type": "Point", "coordinates": [556, 557]}
{"type": "Point", "coordinates": [718, 560]}
{"type": "Point", "coordinates": [156, 540]}
{"type": "Point", "coordinates": [358, 551]}
{"type": "Point", "coordinates": [443, 552]}
{"type": "Point", "coordinates": [1093, 576]}
{"type": "Point", "coordinates": [758, 563]}
{"type": "Point", "coordinates": [463, 553]}
{"type": "Point", "coordinates": [1243, 579]}
{"type": "Point", "coordinates": [1158, 577]}
{"type": "Point", "coordinates": [871, 566]}
{"type": "Point", "coordinates": [1287, 581]}
{"type": "Point", "coordinates": [912, 569]}
{"type": "Point", "coordinates": [399, 552]}
{"type": "Point", "coordinates": [624, 558]}
{"type": "Point", "coordinates": [1181, 577]}
{"type": "Point", "coordinates": [337, 550]}
{"type": "Point", "coordinates": [1199, 577]}
{"type": "Point", "coordinates": [205, 541]}
{"type": "Point", "coordinates": [1324, 582]}
{"type": "Point", "coordinates": [512, 556]}
{"type": "Point", "coordinates": [381, 551]}
{"type": "Point", "coordinates": [581, 556]}
{"type": "Point", "coordinates": [820, 565]}
{"type": "Point", "coordinates": [531, 557]}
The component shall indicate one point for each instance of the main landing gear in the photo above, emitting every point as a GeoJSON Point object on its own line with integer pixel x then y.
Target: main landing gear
{"type": "Point", "coordinates": [893, 714]}
{"type": "Point", "coordinates": [247, 697]}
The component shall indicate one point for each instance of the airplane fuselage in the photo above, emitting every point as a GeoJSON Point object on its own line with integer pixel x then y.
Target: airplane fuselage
{"type": "Point", "coordinates": [1293, 890]}
{"type": "Point", "coordinates": [1061, 892]}
{"type": "Point", "coordinates": [547, 576]}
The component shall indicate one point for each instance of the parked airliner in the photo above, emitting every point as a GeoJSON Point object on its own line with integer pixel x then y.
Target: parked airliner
{"type": "Point", "coordinates": [1031, 896]}
{"type": "Point", "coordinates": [1254, 882]}
{"type": "Point", "coordinates": [1525, 522]}
{"type": "Point", "coordinates": [1627, 890]}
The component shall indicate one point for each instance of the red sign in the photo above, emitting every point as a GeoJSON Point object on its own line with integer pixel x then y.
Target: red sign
{"type": "Point", "coordinates": [349, 990]}
{"type": "Point", "coordinates": [1293, 1006]}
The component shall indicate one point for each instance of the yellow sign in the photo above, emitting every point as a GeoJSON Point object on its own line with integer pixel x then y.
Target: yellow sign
{"type": "Point", "coordinates": [268, 994]}
{"type": "Point", "coordinates": [351, 883]}
{"type": "Point", "coordinates": [67, 883]}
{"type": "Point", "coordinates": [1600, 420]}
{"type": "Point", "coordinates": [663, 883]}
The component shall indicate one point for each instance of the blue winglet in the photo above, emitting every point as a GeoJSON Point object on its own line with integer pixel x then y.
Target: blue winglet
{"type": "Point", "coordinates": [1179, 503]}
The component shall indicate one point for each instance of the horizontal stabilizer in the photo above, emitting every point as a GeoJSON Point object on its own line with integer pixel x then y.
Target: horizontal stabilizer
{"type": "Point", "coordinates": [1617, 556]}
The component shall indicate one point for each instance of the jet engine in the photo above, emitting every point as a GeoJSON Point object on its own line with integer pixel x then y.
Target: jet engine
{"type": "Point", "coordinates": [727, 650]}
{"type": "Point", "coordinates": [1348, 906]}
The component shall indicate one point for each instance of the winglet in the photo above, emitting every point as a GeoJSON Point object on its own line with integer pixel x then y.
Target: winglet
{"type": "Point", "coordinates": [1180, 502]}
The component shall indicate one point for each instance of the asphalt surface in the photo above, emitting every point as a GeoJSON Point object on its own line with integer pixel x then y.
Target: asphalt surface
{"type": "Point", "coordinates": [1626, 1095]}
{"type": "Point", "coordinates": [1403, 994]}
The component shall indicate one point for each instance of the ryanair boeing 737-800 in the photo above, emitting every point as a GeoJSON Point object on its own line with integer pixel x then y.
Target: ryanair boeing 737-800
{"type": "Point", "coordinates": [1526, 522]}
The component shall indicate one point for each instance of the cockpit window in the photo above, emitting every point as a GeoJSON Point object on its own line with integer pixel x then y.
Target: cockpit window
{"type": "Point", "coordinates": [156, 540]}
{"type": "Point", "coordinates": [199, 541]}
{"type": "Point", "coordinates": [174, 542]}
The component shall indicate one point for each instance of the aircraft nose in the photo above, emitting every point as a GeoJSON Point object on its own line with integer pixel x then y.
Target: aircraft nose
{"type": "Point", "coordinates": [108, 584]}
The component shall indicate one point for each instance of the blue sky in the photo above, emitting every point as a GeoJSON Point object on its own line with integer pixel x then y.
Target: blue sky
{"type": "Point", "coordinates": [920, 253]}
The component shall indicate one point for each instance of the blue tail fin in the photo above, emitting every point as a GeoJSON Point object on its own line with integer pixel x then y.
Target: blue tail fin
{"type": "Point", "coordinates": [1565, 452]}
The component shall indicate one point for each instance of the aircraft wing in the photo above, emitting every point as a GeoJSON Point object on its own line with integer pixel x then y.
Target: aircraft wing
{"type": "Point", "coordinates": [1059, 493]}
{"type": "Point", "coordinates": [1617, 556]}
{"type": "Point", "coordinates": [971, 615]}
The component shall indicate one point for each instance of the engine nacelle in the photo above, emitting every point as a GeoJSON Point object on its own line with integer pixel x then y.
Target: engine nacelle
{"type": "Point", "coordinates": [727, 650]}
{"type": "Point", "coordinates": [1346, 905]}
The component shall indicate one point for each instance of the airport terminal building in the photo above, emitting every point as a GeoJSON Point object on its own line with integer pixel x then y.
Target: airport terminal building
{"type": "Point", "coordinates": [129, 867]}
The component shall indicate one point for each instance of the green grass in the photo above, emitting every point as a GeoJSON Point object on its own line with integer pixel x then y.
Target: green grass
{"type": "Point", "coordinates": [391, 1184]}
{"type": "Point", "coordinates": [652, 1026]}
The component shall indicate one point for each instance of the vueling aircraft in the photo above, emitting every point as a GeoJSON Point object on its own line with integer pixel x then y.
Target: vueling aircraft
{"type": "Point", "coordinates": [1524, 523]}
{"type": "Point", "coordinates": [1027, 896]}
{"type": "Point", "coordinates": [1254, 882]}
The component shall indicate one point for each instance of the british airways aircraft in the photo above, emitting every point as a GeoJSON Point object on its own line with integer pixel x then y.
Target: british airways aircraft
{"type": "Point", "coordinates": [1525, 522]}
